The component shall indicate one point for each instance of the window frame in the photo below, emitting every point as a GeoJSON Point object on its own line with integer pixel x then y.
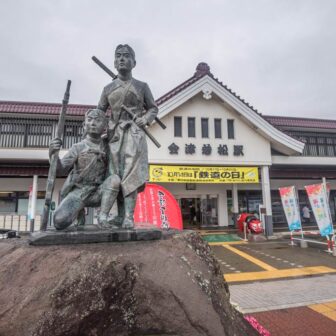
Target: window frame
{"type": "Point", "coordinates": [206, 121]}
{"type": "Point", "coordinates": [191, 128]}
{"type": "Point", "coordinates": [176, 120]}
{"type": "Point", "coordinates": [218, 122]}
{"type": "Point", "coordinates": [230, 129]}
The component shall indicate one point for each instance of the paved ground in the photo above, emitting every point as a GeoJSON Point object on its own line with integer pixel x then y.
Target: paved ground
{"type": "Point", "coordinates": [270, 295]}
{"type": "Point", "coordinates": [289, 290]}
{"type": "Point", "coordinates": [296, 321]}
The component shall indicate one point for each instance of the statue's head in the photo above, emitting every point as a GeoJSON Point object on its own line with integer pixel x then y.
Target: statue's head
{"type": "Point", "coordinates": [95, 122]}
{"type": "Point", "coordinates": [124, 58]}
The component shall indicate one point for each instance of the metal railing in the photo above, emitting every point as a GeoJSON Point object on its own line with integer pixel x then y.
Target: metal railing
{"type": "Point", "coordinates": [317, 144]}
{"type": "Point", "coordinates": [36, 133]}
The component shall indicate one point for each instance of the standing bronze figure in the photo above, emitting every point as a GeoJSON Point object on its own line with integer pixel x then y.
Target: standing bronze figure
{"type": "Point", "coordinates": [128, 154]}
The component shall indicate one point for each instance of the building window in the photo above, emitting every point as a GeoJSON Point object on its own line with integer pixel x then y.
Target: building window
{"type": "Point", "coordinates": [311, 145]}
{"type": "Point", "coordinates": [218, 128]}
{"type": "Point", "coordinates": [23, 201]}
{"type": "Point", "coordinates": [191, 128]}
{"type": "Point", "coordinates": [16, 202]}
{"type": "Point", "coordinates": [73, 133]}
{"type": "Point", "coordinates": [205, 127]}
{"type": "Point", "coordinates": [177, 126]}
{"type": "Point", "coordinates": [8, 202]}
{"type": "Point", "coordinates": [330, 146]}
{"type": "Point", "coordinates": [317, 144]}
{"type": "Point", "coordinates": [230, 128]}
{"type": "Point", "coordinates": [190, 186]}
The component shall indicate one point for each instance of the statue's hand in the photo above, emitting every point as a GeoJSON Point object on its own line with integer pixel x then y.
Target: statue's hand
{"type": "Point", "coordinates": [141, 122]}
{"type": "Point", "coordinates": [54, 146]}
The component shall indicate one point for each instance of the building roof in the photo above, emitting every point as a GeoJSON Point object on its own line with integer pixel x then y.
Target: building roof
{"type": "Point", "coordinates": [301, 122]}
{"type": "Point", "coordinates": [202, 70]}
{"type": "Point", "coordinates": [21, 107]}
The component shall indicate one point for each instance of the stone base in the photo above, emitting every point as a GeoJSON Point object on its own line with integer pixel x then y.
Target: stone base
{"type": "Point", "coordinates": [303, 244]}
{"type": "Point", "coordinates": [252, 237]}
{"type": "Point", "coordinates": [170, 287]}
{"type": "Point", "coordinates": [92, 234]}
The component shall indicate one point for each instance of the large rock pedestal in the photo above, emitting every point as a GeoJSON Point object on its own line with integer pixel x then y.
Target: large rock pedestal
{"type": "Point", "coordinates": [90, 234]}
{"type": "Point", "coordinates": [165, 287]}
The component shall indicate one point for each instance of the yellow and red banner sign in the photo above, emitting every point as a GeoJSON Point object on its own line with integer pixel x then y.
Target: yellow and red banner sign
{"type": "Point", "coordinates": [199, 174]}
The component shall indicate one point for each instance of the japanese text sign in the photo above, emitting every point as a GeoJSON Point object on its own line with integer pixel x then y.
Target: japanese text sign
{"type": "Point", "coordinates": [291, 207]}
{"type": "Point", "coordinates": [156, 206]}
{"type": "Point", "coordinates": [199, 174]}
{"type": "Point", "coordinates": [318, 199]}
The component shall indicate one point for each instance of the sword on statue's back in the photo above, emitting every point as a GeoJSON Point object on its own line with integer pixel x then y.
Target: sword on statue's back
{"type": "Point", "coordinates": [114, 76]}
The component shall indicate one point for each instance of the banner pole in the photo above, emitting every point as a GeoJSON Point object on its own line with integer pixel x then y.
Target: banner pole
{"type": "Point", "coordinates": [245, 229]}
{"type": "Point", "coordinates": [298, 209]}
{"type": "Point", "coordinates": [324, 181]}
{"type": "Point", "coordinates": [333, 245]}
{"type": "Point", "coordinates": [291, 239]}
{"type": "Point", "coordinates": [328, 241]}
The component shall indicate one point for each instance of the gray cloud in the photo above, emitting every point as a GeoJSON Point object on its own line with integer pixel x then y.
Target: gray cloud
{"type": "Point", "coordinates": [278, 55]}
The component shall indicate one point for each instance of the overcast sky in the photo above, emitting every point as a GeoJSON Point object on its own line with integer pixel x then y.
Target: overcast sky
{"type": "Point", "coordinates": [279, 55]}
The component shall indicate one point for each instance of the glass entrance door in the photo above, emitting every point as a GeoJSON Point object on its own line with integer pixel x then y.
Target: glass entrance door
{"type": "Point", "coordinates": [199, 211]}
{"type": "Point", "coordinates": [209, 211]}
{"type": "Point", "coordinates": [190, 208]}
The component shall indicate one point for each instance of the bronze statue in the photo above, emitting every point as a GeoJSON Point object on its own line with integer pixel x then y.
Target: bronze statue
{"type": "Point", "coordinates": [87, 161]}
{"type": "Point", "coordinates": [127, 147]}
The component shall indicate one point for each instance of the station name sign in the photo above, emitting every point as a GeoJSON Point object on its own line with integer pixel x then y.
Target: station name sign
{"type": "Point", "coordinates": [200, 174]}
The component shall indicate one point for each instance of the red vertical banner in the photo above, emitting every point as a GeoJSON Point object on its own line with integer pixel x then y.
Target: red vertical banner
{"type": "Point", "coordinates": [156, 206]}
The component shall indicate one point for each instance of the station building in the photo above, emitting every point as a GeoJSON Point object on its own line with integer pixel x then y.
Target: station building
{"type": "Point", "coordinates": [218, 154]}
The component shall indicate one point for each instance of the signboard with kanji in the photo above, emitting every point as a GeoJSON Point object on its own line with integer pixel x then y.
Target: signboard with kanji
{"type": "Point", "coordinates": [199, 174]}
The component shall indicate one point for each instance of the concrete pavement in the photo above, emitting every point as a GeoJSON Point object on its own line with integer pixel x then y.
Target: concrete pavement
{"type": "Point", "coordinates": [271, 295]}
{"type": "Point", "coordinates": [289, 290]}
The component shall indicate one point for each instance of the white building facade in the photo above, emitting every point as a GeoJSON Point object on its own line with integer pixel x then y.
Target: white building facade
{"type": "Point", "coordinates": [209, 130]}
